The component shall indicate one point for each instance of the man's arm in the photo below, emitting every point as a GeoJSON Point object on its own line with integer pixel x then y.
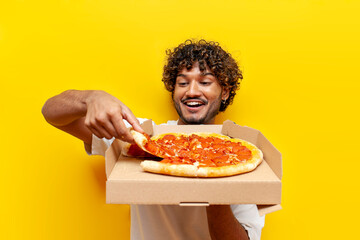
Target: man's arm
{"type": "Point", "coordinates": [83, 113]}
{"type": "Point", "coordinates": [223, 224]}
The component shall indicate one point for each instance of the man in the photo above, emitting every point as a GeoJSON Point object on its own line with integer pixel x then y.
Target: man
{"type": "Point", "coordinates": [202, 79]}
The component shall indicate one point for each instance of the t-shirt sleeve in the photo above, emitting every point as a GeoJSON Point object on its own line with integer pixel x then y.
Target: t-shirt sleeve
{"type": "Point", "coordinates": [248, 216]}
{"type": "Point", "coordinates": [100, 145]}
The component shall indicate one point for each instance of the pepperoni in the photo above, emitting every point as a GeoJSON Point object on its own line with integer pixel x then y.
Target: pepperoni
{"type": "Point", "coordinates": [155, 149]}
{"type": "Point", "coordinates": [169, 137]}
{"type": "Point", "coordinates": [147, 136]}
{"type": "Point", "coordinates": [217, 140]}
{"type": "Point", "coordinates": [152, 147]}
{"type": "Point", "coordinates": [243, 156]}
{"type": "Point", "coordinates": [207, 151]}
{"type": "Point", "coordinates": [169, 151]}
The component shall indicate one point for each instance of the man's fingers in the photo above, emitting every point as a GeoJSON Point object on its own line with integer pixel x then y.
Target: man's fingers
{"type": "Point", "coordinates": [129, 116]}
{"type": "Point", "coordinates": [94, 131]}
{"type": "Point", "coordinates": [118, 125]}
{"type": "Point", "coordinates": [90, 123]}
{"type": "Point", "coordinates": [100, 131]}
{"type": "Point", "coordinates": [106, 120]}
{"type": "Point", "coordinates": [108, 126]}
{"type": "Point", "coordinates": [103, 131]}
{"type": "Point", "coordinates": [98, 128]}
{"type": "Point", "coordinates": [122, 131]}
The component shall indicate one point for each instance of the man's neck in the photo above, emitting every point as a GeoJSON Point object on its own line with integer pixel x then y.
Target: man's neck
{"type": "Point", "coordinates": [181, 122]}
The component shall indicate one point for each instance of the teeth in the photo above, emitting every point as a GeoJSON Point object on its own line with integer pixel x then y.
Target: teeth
{"type": "Point", "coordinates": [193, 103]}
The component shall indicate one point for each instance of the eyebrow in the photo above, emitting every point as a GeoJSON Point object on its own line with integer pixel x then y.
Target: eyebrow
{"type": "Point", "coordinates": [203, 74]}
{"type": "Point", "coordinates": [208, 73]}
{"type": "Point", "coordinates": [181, 75]}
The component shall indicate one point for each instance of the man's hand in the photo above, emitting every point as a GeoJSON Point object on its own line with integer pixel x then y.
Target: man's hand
{"type": "Point", "coordinates": [83, 113]}
{"type": "Point", "coordinates": [105, 114]}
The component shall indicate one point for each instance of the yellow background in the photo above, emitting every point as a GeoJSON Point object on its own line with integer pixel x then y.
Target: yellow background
{"type": "Point", "coordinates": [301, 89]}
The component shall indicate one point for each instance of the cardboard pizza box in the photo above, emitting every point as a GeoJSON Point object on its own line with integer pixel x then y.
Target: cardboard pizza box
{"type": "Point", "coordinates": [127, 183]}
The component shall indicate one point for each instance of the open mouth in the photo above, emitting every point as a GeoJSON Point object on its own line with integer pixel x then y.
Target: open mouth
{"type": "Point", "coordinates": [193, 104]}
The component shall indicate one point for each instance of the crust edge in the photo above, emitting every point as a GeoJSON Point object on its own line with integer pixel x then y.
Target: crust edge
{"type": "Point", "coordinates": [186, 170]}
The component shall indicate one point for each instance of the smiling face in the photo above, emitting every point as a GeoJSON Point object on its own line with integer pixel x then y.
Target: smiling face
{"type": "Point", "coordinates": [197, 96]}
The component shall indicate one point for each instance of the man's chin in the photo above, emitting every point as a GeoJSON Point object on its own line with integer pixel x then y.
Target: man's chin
{"type": "Point", "coordinates": [193, 120]}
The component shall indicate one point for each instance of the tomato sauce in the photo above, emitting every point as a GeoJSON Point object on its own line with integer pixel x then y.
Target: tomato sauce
{"type": "Point", "coordinates": [205, 151]}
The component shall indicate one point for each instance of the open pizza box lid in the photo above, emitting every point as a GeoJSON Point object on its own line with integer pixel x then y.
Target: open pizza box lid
{"type": "Point", "coordinates": [127, 183]}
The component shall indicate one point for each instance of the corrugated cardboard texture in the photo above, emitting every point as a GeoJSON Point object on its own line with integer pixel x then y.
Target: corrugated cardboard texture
{"type": "Point", "coordinates": [127, 183]}
{"type": "Point", "coordinates": [271, 154]}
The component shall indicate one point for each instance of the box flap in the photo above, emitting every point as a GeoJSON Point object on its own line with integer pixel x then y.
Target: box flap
{"type": "Point", "coordinates": [236, 131]}
{"type": "Point", "coordinates": [266, 209]}
{"type": "Point", "coordinates": [147, 126]}
{"type": "Point", "coordinates": [111, 156]}
{"type": "Point", "coordinates": [271, 155]}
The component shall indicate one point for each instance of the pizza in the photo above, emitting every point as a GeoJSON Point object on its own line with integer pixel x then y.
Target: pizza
{"type": "Point", "coordinates": [198, 154]}
{"type": "Point", "coordinates": [133, 150]}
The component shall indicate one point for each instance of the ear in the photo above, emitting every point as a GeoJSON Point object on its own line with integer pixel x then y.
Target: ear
{"type": "Point", "coordinates": [225, 94]}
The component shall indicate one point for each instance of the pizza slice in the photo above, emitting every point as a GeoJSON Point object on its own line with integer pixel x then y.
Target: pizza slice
{"type": "Point", "coordinates": [198, 154]}
{"type": "Point", "coordinates": [133, 150]}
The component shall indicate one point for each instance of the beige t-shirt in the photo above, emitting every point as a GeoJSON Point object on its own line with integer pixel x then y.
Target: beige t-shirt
{"type": "Point", "coordinates": [157, 222]}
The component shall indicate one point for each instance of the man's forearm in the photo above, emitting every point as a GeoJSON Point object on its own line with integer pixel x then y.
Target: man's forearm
{"type": "Point", "coordinates": [66, 107]}
{"type": "Point", "coordinates": [223, 224]}
{"type": "Point", "coordinates": [83, 113]}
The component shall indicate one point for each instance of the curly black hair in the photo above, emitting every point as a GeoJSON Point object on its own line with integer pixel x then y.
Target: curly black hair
{"type": "Point", "coordinates": [208, 54]}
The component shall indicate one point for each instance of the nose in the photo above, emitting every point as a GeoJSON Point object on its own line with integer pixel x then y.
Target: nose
{"type": "Point", "coordinates": [193, 90]}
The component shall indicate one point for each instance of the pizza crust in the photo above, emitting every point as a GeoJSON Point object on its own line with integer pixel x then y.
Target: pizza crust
{"type": "Point", "coordinates": [124, 148]}
{"type": "Point", "coordinates": [187, 170]}
{"type": "Point", "coordinates": [140, 139]}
